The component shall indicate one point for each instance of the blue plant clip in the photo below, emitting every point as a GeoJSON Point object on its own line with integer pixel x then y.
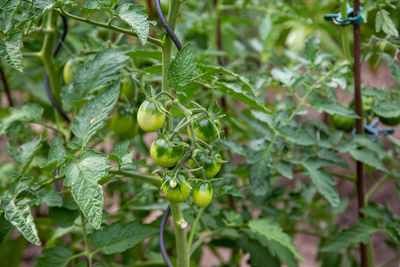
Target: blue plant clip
{"type": "Point", "coordinates": [374, 133]}
{"type": "Point", "coordinates": [338, 20]}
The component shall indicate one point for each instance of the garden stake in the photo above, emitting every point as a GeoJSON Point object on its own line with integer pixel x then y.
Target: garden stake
{"type": "Point", "coordinates": [359, 124]}
{"type": "Point", "coordinates": [6, 88]}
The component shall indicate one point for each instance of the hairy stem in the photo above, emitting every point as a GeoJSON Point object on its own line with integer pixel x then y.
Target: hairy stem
{"type": "Point", "coordinates": [109, 26]}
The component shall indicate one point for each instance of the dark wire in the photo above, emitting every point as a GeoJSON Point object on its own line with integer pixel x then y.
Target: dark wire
{"type": "Point", "coordinates": [46, 76]}
{"type": "Point", "coordinates": [167, 212]}
{"type": "Point", "coordinates": [166, 25]}
{"type": "Point", "coordinates": [162, 228]}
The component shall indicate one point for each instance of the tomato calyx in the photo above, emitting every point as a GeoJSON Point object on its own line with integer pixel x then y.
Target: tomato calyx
{"type": "Point", "coordinates": [176, 188]}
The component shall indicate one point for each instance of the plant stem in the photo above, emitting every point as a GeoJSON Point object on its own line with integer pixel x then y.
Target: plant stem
{"type": "Point", "coordinates": [85, 240]}
{"type": "Point", "coordinates": [180, 235]}
{"type": "Point", "coordinates": [345, 32]}
{"type": "Point", "coordinates": [155, 180]}
{"type": "Point", "coordinates": [375, 187]}
{"type": "Point", "coordinates": [46, 55]}
{"type": "Point", "coordinates": [108, 26]}
{"type": "Point", "coordinates": [194, 227]}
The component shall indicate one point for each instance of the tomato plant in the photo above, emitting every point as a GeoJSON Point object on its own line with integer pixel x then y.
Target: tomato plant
{"type": "Point", "coordinates": [201, 137]}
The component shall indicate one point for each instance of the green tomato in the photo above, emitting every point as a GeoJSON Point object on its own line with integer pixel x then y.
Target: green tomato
{"type": "Point", "coordinates": [165, 152]}
{"type": "Point", "coordinates": [389, 121]}
{"type": "Point", "coordinates": [70, 66]}
{"type": "Point", "coordinates": [367, 103]}
{"type": "Point", "coordinates": [211, 165]}
{"type": "Point", "coordinates": [204, 130]}
{"type": "Point", "coordinates": [202, 193]}
{"type": "Point", "coordinates": [127, 89]}
{"type": "Point", "coordinates": [342, 123]}
{"type": "Point", "coordinates": [177, 190]}
{"type": "Point", "coordinates": [150, 119]}
{"type": "Point", "coordinates": [123, 123]}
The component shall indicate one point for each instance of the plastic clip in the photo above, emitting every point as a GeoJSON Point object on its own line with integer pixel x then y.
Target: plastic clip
{"type": "Point", "coordinates": [338, 20]}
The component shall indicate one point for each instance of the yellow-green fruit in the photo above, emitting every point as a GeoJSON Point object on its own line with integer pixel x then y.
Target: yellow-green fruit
{"type": "Point", "coordinates": [149, 118]}
{"type": "Point", "coordinates": [202, 193]}
{"type": "Point", "coordinates": [69, 67]}
{"type": "Point", "coordinates": [165, 152]}
{"type": "Point", "coordinates": [176, 191]}
{"type": "Point", "coordinates": [210, 164]}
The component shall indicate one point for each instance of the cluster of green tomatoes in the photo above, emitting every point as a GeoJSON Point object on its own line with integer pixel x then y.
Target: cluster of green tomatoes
{"type": "Point", "coordinates": [170, 152]}
{"type": "Point", "coordinates": [169, 149]}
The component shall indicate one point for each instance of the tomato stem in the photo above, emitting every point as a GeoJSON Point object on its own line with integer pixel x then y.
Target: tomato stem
{"type": "Point", "coordinates": [108, 26]}
{"type": "Point", "coordinates": [193, 230]}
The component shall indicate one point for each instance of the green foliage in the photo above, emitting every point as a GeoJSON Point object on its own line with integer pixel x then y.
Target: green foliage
{"type": "Point", "coordinates": [267, 71]}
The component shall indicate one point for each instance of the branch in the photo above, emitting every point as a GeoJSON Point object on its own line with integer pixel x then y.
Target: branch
{"type": "Point", "coordinates": [155, 180]}
{"type": "Point", "coordinates": [108, 26]}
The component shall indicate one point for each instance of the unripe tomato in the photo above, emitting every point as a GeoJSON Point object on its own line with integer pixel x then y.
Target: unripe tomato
{"type": "Point", "coordinates": [150, 119]}
{"type": "Point", "coordinates": [367, 103]}
{"type": "Point", "coordinates": [165, 152]}
{"type": "Point", "coordinates": [127, 89]}
{"type": "Point", "coordinates": [342, 123]}
{"type": "Point", "coordinates": [389, 121]}
{"type": "Point", "coordinates": [123, 123]}
{"type": "Point", "coordinates": [176, 190]}
{"type": "Point", "coordinates": [202, 193]}
{"type": "Point", "coordinates": [70, 66]}
{"type": "Point", "coordinates": [204, 130]}
{"type": "Point", "coordinates": [211, 165]}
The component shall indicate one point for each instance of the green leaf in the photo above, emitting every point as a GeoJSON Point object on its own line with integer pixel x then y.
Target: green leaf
{"type": "Point", "coordinates": [92, 118]}
{"type": "Point", "coordinates": [49, 198]}
{"type": "Point", "coordinates": [210, 69]}
{"type": "Point", "coordinates": [118, 237]}
{"type": "Point", "coordinates": [92, 76]}
{"type": "Point", "coordinates": [259, 255]}
{"type": "Point", "coordinates": [121, 153]}
{"type": "Point", "coordinates": [311, 48]}
{"type": "Point", "coordinates": [368, 157]}
{"type": "Point", "coordinates": [181, 70]}
{"type": "Point", "coordinates": [385, 23]}
{"type": "Point", "coordinates": [335, 108]}
{"type": "Point", "coordinates": [7, 12]}
{"type": "Point", "coordinates": [132, 15]}
{"type": "Point", "coordinates": [41, 7]}
{"type": "Point", "coordinates": [27, 113]}
{"type": "Point", "coordinates": [284, 169]}
{"type": "Point", "coordinates": [272, 231]}
{"type": "Point", "coordinates": [21, 218]}
{"type": "Point", "coordinates": [387, 109]}
{"type": "Point", "coordinates": [259, 171]}
{"type": "Point", "coordinates": [63, 217]}
{"type": "Point", "coordinates": [56, 154]}
{"type": "Point", "coordinates": [299, 136]}
{"type": "Point", "coordinates": [352, 235]}
{"type": "Point", "coordinates": [5, 228]}
{"type": "Point", "coordinates": [324, 183]}
{"type": "Point", "coordinates": [56, 256]}
{"type": "Point", "coordinates": [10, 50]}
{"type": "Point", "coordinates": [236, 92]}
{"type": "Point", "coordinates": [83, 178]}
{"type": "Point", "coordinates": [24, 154]}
